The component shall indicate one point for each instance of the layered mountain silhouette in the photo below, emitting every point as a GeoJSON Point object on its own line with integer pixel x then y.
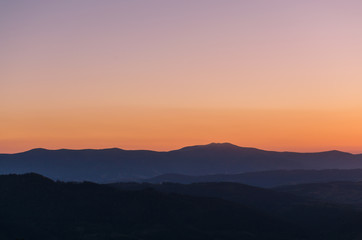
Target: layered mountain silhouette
{"type": "Point", "coordinates": [297, 210]}
{"type": "Point", "coordinates": [336, 192]}
{"type": "Point", "coordinates": [267, 179]}
{"type": "Point", "coordinates": [34, 207]}
{"type": "Point", "coordinates": [111, 165]}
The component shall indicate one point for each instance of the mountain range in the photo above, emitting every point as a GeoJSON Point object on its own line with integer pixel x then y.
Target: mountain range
{"type": "Point", "coordinates": [34, 207]}
{"type": "Point", "coordinates": [335, 192]}
{"type": "Point", "coordinates": [112, 165]}
{"type": "Point", "coordinates": [266, 179]}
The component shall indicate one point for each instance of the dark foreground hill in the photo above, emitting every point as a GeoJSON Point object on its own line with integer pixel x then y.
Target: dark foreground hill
{"type": "Point", "coordinates": [337, 192]}
{"type": "Point", "coordinates": [265, 199]}
{"type": "Point", "coordinates": [34, 207]}
{"type": "Point", "coordinates": [320, 219]}
{"type": "Point", "coordinates": [267, 178]}
{"type": "Point", "coordinates": [111, 165]}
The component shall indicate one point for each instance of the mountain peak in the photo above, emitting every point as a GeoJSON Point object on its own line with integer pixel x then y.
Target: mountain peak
{"type": "Point", "coordinates": [223, 145]}
{"type": "Point", "coordinates": [212, 146]}
{"type": "Point", "coordinates": [36, 150]}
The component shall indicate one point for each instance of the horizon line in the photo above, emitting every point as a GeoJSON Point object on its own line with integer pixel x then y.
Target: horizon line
{"type": "Point", "coordinates": [177, 149]}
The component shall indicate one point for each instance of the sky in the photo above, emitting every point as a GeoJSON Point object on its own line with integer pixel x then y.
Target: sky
{"type": "Point", "coordinates": [277, 75]}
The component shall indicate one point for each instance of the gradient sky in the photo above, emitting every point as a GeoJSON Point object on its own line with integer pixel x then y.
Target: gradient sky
{"type": "Point", "coordinates": [272, 74]}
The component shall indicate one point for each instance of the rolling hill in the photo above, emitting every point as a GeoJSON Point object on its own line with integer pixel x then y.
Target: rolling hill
{"type": "Point", "coordinates": [267, 178]}
{"type": "Point", "coordinates": [111, 165]}
{"type": "Point", "coordinates": [336, 192]}
{"type": "Point", "coordinates": [34, 207]}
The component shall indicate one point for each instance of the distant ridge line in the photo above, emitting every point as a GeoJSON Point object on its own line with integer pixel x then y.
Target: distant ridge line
{"type": "Point", "coordinates": [225, 145]}
{"type": "Point", "coordinates": [115, 164]}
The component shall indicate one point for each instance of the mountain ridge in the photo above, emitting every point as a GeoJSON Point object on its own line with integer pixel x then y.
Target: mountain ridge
{"type": "Point", "coordinates": [265, 179]}
{"type": "Point", "coordinates": [223, 145]}
{"type": "Point", "coordinates": [115, 164]}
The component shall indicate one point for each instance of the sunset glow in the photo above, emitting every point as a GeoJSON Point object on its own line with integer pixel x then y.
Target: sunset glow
{"type": "Point", "coordinates": [277, 75]}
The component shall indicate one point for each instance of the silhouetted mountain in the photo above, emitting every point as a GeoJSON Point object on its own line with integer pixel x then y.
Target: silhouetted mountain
{"type": "Point", "coordinates": [337, 192]}
{"type": "Point", "coordinates": [34, 207]}
{"type": "Point", "coordinates": [265, 199]}
{"type": "Point", "coordinates": [267, 178]}
{"type": "Point", "coordinates": [110, 165]}
{"type": "Point", "coordinates": [323, 220]}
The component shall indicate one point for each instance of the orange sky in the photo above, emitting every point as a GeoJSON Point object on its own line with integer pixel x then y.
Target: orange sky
{"type": "Point", "coordinates": [278, 75]}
